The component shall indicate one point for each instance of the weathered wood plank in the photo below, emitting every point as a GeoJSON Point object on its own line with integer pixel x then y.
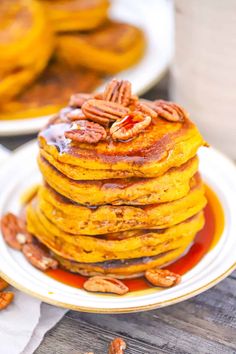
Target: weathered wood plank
{"type": "Point", "coordinates": [77, 337]}
{"type": "Point", "coordinates": [204, 324]}
{"type": "Point", "coordinates": [233, 275]}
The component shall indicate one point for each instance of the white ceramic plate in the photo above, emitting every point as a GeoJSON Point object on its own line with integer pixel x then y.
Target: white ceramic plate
{"type": "Point", "coordinates": [21, 171]}
{"type": "Point", "coordinates": [155, 17]}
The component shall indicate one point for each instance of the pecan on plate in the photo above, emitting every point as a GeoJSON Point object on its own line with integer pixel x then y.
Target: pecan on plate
{"type": "Point", "coordinates": [170, 111]}
{"type": "Point", "coordinates": [14, 231]}
{"type": "Point", "coordinates": [129, 126]}
{"type": "Point", "coordinates": [3, 284]}
{"type": "Point", "coordinates": [5, 299]}
{"type": "Point", "coordinates": [162, 277]}
{"type": "Point", "coordinates": [117, 346]}
{"type": "Point", "coordinates": [78, 99]}
{"type": "Point", "coordinates": [118, 91]}
{"type": "Point", "coordinates": [105, 284]}
{"type": "Point", "coordinates": [103, 112]}
{"type": "Point", "coordinates": [38, 257]}
{"type": "Point", "coordinates": [84, 131]}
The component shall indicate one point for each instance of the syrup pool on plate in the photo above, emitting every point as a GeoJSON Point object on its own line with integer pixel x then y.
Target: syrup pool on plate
{"type": "Point", "coordinates": [204, 241]}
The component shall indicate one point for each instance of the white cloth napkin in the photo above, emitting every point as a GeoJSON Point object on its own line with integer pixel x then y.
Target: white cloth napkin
{"type": "Point", "coordinates": [24, 323]}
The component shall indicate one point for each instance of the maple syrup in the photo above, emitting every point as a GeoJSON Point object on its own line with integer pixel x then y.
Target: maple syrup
{"type": "Point", "coordinates": [204, 241]}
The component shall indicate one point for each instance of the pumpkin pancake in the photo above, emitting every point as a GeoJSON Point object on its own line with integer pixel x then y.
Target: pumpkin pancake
{"type": "Point", "coordinates": [50, 92]}
{"type": "Point", "coordinates": [121, 269]}
{"type": "Point", "coordinates": [88, 249]}
{"type": "Point", "coordinates": [78, 219]}
{"type": "Point", "coordinates": [161, 146]}
{"type": "Point", "coordinates": [23, 27]}
{"type": "Point", "coordinates": [174, 184]}
{"type": "Point", "coordinates": [112, 47]}
{"type": "Point", "coordinates": [76, 15]}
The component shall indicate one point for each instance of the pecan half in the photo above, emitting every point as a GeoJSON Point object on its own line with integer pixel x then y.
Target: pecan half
{"type": "Point", "coordinates": [78, 99]}
{"type": "Point", "coordinates": [14, 231]}
{"type": "Point", "coordinates": [38, 257]}
{"type": "Point", "coordinates": [133, 100]}
{"type": "Point", "coordinates": [3, 284]}
{"type": "Point", "coordinates": [60, 117]}
{"type": "Point", "coordinates": [56, 119]}
{"type": "Point", "coordinates": [117, 346]}
{"type": "Point", "coordinates": [170, 111]}
{"type": "Point", "coordinates": [148, 103]}
{"type": "Point", "coordinates": [103, 112]}
{"type": "Point", "coordinates": [118, 91]}
{"type": "Point", "coordinates": [84, 131]}
{"type": "Point", "coordinates": [98, 95]}
{"type": "Point", "coordinates": [75, 114]}
{"type": "Point", "coordinates": [162, 277]}
{"type": "Point", "coordinates": [129, 126]}
{"type": "Point", "coordinates": [105, 284]}
{"type": "Point", "coordinates": [5, 299]}
{"type": "Point", "coordinates": [145, 109]}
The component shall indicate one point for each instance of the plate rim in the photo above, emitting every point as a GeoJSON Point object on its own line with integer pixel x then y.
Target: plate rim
{"type": "Point", "coordinates": [154, 306]}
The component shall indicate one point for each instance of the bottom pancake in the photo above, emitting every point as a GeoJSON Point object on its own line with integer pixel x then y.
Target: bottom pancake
{"type": "Point", "coordinates": [127, 269]}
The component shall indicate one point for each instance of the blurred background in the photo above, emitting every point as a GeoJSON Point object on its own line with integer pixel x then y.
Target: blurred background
{"type": "Point", "coordinates": [182, 50]}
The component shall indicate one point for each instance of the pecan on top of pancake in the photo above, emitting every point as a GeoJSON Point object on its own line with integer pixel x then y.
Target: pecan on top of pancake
{"type": "Point", "coordinates": [116, 113]}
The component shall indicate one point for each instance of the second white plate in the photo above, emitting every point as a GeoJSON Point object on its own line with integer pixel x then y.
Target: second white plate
{"type": "Point", "coordinates": [155, 18]}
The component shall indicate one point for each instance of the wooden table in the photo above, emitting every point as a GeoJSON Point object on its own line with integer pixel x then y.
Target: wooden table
{"type": "Point", "coordinates": [204, 324]}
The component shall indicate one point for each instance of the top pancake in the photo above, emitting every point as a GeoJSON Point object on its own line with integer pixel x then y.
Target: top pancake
{"type": "Point", "coordinates": [76, 15]}
{"type": "Point", "coordinates": [161, 146]}
{"type": "Point", "coordinates": [114, 45]}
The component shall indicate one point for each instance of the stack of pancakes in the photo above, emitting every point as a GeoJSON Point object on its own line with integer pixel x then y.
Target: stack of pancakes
{"type": "Point", "coordinates": [116, 207]}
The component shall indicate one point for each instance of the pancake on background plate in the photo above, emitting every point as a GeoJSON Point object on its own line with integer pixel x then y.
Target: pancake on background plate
{"type": "Point", "coordinates": [49, 92]}
{"type": "Point", "coordinates": [76, 15]}
{"type": "Point", "coordinates": [112, 47]}
{"type": "Point", "coordinates": [23, 29]}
